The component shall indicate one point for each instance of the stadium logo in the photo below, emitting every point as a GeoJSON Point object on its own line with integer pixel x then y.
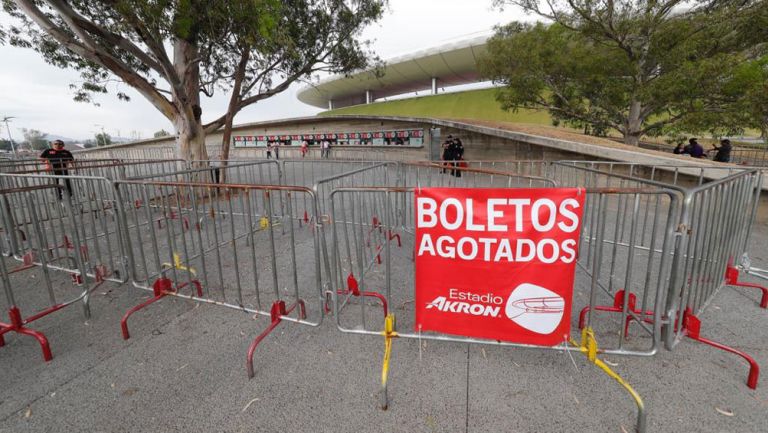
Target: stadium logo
{"type": "Point", "coordinates": [533, 307]}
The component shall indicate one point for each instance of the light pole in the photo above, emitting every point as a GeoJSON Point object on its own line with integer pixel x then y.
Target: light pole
{"type": "Point", "coordinates": [7, 128]}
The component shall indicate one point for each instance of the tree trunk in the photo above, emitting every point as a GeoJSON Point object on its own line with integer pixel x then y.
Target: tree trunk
{"type": "Point", "coordinates": [191, 140]}
{"type": "Point", "coordinates": [633, 129]}
{"type": "Point", "coordinates": [233, 108]}
{"type": "Point", "coordinates": [226, 135]}
{"type": "Point", "coordinates": [189, 127]}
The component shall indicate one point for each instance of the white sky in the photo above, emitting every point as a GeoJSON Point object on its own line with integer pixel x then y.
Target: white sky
{"type": "Point", "coordinates": [37, 94]}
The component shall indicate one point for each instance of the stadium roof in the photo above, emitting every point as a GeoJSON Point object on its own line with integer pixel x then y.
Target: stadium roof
{"type": "Point", "coordinates": [450, 64]}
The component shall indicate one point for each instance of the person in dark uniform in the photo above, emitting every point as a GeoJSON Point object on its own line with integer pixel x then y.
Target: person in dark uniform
{"type": "Point", "coordinates": [446, 155]}
{"type": "Point", "coordinates": [724, 151]}
{"type": "Point", "coordinates": [57, 160]}
{"type": "Point", "coordinates": [456, 151]}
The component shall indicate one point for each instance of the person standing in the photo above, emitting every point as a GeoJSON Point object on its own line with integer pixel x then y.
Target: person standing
{"type": "Point", "coordinates": [457, 154]}
{"type": "Point", "coordinates": [276, 149]}
{"type": "Point", "coordinates": [446, 153]}
{"type": "Point", "coordinates": [325, 149]}
{"type": "Point", "coordinates": [724, 151]}
{"type": "Point", "coordinates": [304, 148]}
{"type": "Point", "coordinates": [56, 160]}
{"type": "Point", "coordinates": [269, 150]}
{"type": "Point", "coordinates": [215, 170]}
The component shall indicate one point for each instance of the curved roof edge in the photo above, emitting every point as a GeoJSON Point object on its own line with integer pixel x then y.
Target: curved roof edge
{"type": "Point", "coordinates": [450, 64]}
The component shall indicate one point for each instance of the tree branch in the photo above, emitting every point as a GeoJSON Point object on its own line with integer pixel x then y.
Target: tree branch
{"type": "Point", "coordinates": [99, 57]}
{"type": "Point", "coordinates": [116, 40]}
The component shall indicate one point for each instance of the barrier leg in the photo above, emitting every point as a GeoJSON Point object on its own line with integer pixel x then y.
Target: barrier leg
{"type": "Point", "coordinates": [732, 279]}
{"type": "Point", "coordinates": [161, 288]}
{"type": "Point", "coordinates": [276, 314]}
{"type": "Point", "coordinates": [692, 326]}
{"type": "Point", "coordinates": [17, 325]}
{"type": "Point", "coordinates": [389, 333]}
{"type": "Point", "coordinates": [588, 347]}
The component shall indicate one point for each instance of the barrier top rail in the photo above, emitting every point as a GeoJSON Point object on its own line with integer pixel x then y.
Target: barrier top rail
{"type": "Point", "coordinates": [484, 171]}
{"type": "Point", "coordinates": [76, 165]}
{"type": "Point", "coordinates": [190, 171]}
{"type": "Point", "coordinates": [702, 173]}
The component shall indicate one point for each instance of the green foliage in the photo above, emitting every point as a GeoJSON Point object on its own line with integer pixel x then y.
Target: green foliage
{"type": "Point", "coordinates": [34, 139]}
{"type": "Point", "coordinates": [161, 133]}
{"type": "Point", "coordinates": [5, 145]}
{"type": "Point", "coordinates": [632, 66]}
{"type": "Point", "coordinates": [103, 139]}
{"type": "Point", "coordinates": [171, 51]}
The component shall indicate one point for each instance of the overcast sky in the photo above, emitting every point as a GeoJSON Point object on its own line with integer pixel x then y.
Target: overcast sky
{"type": "Point", "coordinates": [37, 94]}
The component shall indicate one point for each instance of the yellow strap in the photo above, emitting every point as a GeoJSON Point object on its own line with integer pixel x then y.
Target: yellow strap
{"type": "Point", "coordinates": [177, 264]}
{"type": "Point", "coordinates": [389, 333]}
{"type": "Point", "coordinates": [385, 363]}
{"type": "Point", "coordinates": [622, 382]}
{"type": "Point", "coordinates": [588, 346]}
{"type": "Point", "coordinates": [264, 222]}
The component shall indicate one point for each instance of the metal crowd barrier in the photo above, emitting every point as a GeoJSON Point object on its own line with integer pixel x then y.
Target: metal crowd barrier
{"type": "Point", "coordinates": [222, 244]}
{"type": "Point", "coordinates": [43, 239]}
{"type": "Point", "coordinates": [690, 177]}
{"type": "Point", "coordinates": [91, 193]}
{"type": "Point", "coordinates": [641, 249]}
{"type": "Point", "coordinates": [300, 239]}
{"type": "Point", "coordinates": [710, 233]}
{"type": "Point", "coordinates": [162, 152]}
{"type": "Point", "coordinates": [373, 249]}
{"type": "Point", "coordinates": [718, 218]}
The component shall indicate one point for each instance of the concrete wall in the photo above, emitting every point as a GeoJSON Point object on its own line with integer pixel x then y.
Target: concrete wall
{"type": "Point", "coordinates": [479, 145]}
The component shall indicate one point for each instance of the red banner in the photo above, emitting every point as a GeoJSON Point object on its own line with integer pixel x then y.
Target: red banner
{"type": "Point", "coordinates": [497, 263]}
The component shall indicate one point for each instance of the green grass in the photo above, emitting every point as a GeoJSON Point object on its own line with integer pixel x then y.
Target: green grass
{"type": "Point", "coordinates": [472, 104]}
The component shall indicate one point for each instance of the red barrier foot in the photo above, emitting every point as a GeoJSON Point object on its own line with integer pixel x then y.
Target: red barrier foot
{"type": "Point", "coordinates": [732, 279]}
{"type": "Point", "coordinates": [617, 307]}
{"type": "Point", "coordinates": [393, 235]}
{"type": "Point", "coordinates": [17, 325]}
{"type": "Point", "coordinates": [692, 326]}
{"type": "Point", "coordinates": [161, 288]}
{"type": "Point", "coordinates": [276, 314]}
{"type": "Point", "coordinates": [354, 289]}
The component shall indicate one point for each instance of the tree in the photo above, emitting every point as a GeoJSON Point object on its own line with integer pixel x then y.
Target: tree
{"type": "Point", "coordinates": [172, 51]}
{"type": "Point", "coordinates": [5, 144]}
{"type": "Point", "coordinates": [635, 66]}
{"type": "Point", "coordinates": [161, 133]}
{"type": "Point", "coordinates": [103, 139]}
{"type": "Point", "coordinates": [749, 108]}
{"type": "Point", "coordinates": [34, 139]}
